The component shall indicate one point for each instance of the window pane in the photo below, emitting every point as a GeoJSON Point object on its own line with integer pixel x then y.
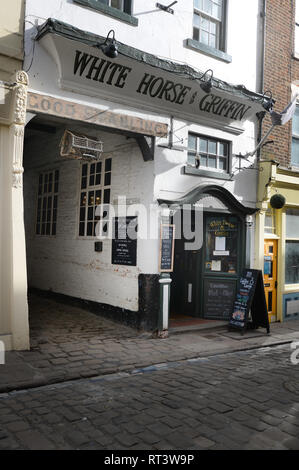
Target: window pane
{"type": "Point", "coordinates": [222, 149]}
{"type": "Point", "coordinates": [198, 4]}
{"type": "Point", "coordinates": [192, 142]}
{"type": "Point", "coordinates": [227, 228]}
{"type": "Point", "coordinates": [203, 160]}
{"type": "Point", "coordinates": [212, 147]}
{"type": "Point", "coordinates": [107, 179]}
{"type": "Point", "coordinates": [196, 34]}
{"type": "Point", "coordinates": [207, 6]}
{"type": "Point", "coordinates": [116, 4]}
{"type": "Point", "coordinates": [292, 262]}
{"type": "Point", "coordinates": [212, 41]}
{"type": "Point", "coordinates": [128, 6]}
{"type": "Point", "coordinates": [295, 121]}
{"type": "Point", "coordinates": [203, 147]}
{"type": "Point", "coordinates": [222, 164]}
{"type": "Point", "coordinates": [205, 24]}
{"type": "Point", "coordinates": [196, 20]}
{"type": "Point", "coordinates": [212, 162]}
{"type": "Point", "coordinates": [108, 164]}
{"type": "Point", "coordinates": [292, 223]}
{"type": "Point", "coordinates": [204, 37]}
{"type": "Point", "coordinates": [191, 158]}
{"type": "Point", "coordinates": [295, 152]}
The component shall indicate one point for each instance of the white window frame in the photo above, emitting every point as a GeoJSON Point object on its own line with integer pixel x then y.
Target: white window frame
{"type": "Point", "coordinates": [197, 153]}
{"type": "Point", "coordinates": [220, 26]}
{"type": "Point", "coordinates": [102, 187]}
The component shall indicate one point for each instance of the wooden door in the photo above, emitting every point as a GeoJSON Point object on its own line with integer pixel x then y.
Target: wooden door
{"type": "Point", "coordinates": [270, 277]}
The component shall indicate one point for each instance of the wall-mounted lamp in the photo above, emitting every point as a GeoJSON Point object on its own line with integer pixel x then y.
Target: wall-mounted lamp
{"type": "Point", "coordinates": [207, 85]}
{"type": "Point", "coordinates": [109, 47]}
{"type": "Point", "coordinates": [268, 105]}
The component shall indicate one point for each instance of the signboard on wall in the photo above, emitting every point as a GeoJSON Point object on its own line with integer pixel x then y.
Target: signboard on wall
{"type": "Point", "coordinates": [124, 242]}
{"type": "Point", "coordinates": [166, 248]}
{"type": "Point", "coordinates": [143, 83]}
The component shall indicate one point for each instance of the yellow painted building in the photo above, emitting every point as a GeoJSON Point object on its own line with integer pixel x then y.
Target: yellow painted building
{"type": "Point", "coordinates": [277, 239]}
{"type": "Point", "coordinates": [11, 37]}
{"type": "Point", "coordinates": [14, 331]}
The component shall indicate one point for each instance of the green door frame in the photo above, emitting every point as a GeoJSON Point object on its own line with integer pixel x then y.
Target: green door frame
{"type": "Point", "coordinates": [234, 208]}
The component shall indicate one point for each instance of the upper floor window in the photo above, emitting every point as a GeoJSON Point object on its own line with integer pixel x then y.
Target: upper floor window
{"type": "Point", "coordinates": [208, 153]}
{"type": "Point", "coordinates": [295, 139]}
{"type": "Point", "coordinates": [123, 5]}
{"type": "Point", "coordinates": [208, 23]}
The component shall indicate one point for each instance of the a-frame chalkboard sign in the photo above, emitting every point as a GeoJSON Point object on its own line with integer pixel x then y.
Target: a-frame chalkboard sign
{"type": "Point", "coordinates": [250, 297]}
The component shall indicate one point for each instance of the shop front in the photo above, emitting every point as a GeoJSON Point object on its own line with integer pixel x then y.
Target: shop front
{"type": "Point", "coordinates": [137, 105]}
{"type": "Point", "coordinates": [278, 240]}
{"type": "Point", "coordinates": [205, 276]}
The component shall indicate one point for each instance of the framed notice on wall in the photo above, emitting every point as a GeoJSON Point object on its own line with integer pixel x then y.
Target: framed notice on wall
{"type": "Point", "coordinates": [124, 242]}
{"type": "Point", "coordinates": [166, 248]}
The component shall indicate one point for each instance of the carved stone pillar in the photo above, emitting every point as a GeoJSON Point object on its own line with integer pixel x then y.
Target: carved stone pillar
{"type": "Point", "coordinates": [18, 270]}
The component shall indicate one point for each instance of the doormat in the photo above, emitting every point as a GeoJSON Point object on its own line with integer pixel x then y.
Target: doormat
{"type": "Point", "coordinates": [247, 335]}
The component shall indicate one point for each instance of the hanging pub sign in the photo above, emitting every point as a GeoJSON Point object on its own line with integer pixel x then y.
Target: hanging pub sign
{"type": "Point", "coordinates": [166, 248]}
{"type": "Point", "coordinates": [142, 79]}
{"type": "Point", "coordinates": [250, 298]}
{"type": "Point", "coordinates": [124, 241]}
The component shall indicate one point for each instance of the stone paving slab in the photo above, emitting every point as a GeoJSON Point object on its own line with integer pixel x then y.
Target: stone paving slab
{"type": "Point", "coordinates": [68, 342]}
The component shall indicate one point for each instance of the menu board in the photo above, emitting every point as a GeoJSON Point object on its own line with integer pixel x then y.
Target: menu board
{"type": "Point", "coordinates": [166, 248]}
{"type": "Point", "coordinates": [218, 298]}
{"type": "Point", "coordinates": [124, 242]}
{"type": "Point", "coordinates": [250, 297]}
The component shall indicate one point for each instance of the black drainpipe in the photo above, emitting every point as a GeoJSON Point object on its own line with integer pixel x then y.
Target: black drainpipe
{"type": "Point", "coordinates": [262, 114]}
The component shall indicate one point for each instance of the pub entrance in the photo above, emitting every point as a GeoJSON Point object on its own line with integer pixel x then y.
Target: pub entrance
{"type": "Point", "coordinates": [204, 280]}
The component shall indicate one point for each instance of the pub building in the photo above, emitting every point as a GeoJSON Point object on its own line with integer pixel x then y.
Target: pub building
{"type": "Point", "coordinates": [157, 133]}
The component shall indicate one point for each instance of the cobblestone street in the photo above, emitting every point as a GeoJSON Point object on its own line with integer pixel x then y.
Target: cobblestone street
{"type": "Point", "coordinates": [242, 400]}
{"type": "Point", "coordinates": [68, 342]}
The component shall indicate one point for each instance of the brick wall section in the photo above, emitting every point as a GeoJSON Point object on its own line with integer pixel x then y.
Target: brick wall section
{"type": "Point", "coordinates": [281, 69]}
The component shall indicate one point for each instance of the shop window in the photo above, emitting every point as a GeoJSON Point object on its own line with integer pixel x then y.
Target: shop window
{"type": "Point", "coordinates": [295, 139]}
{"type": "Point", "coordinates": [270, 222]}
{"type": "Point", "coordinates": [222, 244]}
{"type": "Point", "coordinates": [47, 203]}
{"type": "Point", "coordinates": [209, 23]}
{"type": "Point", "coordinates": [292, 247]}
{"type": "Point", "coordinates": [95, 190]}
{"type": "Point", "coordinates": [207, 153]}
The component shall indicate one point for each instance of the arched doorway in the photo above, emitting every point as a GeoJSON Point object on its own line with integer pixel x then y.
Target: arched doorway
{"type": "Point", "coordinates": [206, 275]}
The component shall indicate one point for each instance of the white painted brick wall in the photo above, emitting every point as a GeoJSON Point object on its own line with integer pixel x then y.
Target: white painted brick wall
{"type": "Point", "coordinates": [66, 263]}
